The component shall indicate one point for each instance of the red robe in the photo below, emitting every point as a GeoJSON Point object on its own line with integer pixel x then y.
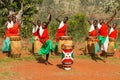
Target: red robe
{"type": "Point", "coordinates": [93, 33]}
{"type": "Point", "coordinates": [103, 30]}
{"type": "Point", "coordinates": [44, 36]}
{"type": "Point", "coordinates": [114, 34]}
{"type": "Point", "coordinates": [61, 32]}
{"type": "Point", "coordinates": [14, 31]}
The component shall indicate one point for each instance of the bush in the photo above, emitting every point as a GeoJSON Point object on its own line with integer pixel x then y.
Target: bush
{"type": "Point", "coordinates": [78, 27]}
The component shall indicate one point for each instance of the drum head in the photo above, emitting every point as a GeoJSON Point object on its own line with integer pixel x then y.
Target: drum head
{"type": "Point", "coordinates": [15, 38]}
{"type": "Point", "coordinates": [65, 38]}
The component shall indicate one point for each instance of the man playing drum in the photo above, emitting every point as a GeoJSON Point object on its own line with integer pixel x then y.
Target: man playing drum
{"type": "Point", "coordinates": [114, 34]}
{"type": "Point", "coordinates": [61, 31]}
{"type": "Point", "coordinates": [35, 34]}
{"type": "Point", "coordinates": [12, 29]}
{"type": "Point", "coordinates": [103, 33]}
{"type": "Point", "coordinates": [44, 38]}
{"type": "Point", "coordinates": [93, 34]}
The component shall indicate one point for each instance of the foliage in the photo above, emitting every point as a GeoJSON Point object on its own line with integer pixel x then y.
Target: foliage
{"type": "Point", "coordinates": [77, 27]}
{"type": "Point", "coordinates": [110, 5]}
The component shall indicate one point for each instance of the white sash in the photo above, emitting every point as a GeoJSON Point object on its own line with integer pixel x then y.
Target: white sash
{"type": "Point", "coordinates": [111, 30]}
{"type": "Point", "coordinates": [41, 30]}
{"type": "Point", "coordinates": [99, 25]}
{"type": "Point", "coordinates": [10, 24]}
{"type": "Point", "coordinates": [61, 25]}
{"type": "Point", "coordinates": [35, 29]}
{"type": "Point", "coordinates": [91, 28]}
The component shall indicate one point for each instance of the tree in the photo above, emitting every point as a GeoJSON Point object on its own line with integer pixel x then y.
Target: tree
{"type": "Point", "coordinates": [19, 7]}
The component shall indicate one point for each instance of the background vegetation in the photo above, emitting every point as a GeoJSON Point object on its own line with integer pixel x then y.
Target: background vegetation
{"type": "Point", "coordinates": [77, 10]}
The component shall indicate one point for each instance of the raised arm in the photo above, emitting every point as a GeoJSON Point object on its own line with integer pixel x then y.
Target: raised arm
{"type": "Point", "coordinates": [33, 23]}
{"type": "Point", "coordinates": [49, 18]}
{"type": "Point", "coordinates": [57, 18]}
{"type": "Point", "coordinates": [111, 18]}
{"type": "Point", "coordinates": [89, 22]}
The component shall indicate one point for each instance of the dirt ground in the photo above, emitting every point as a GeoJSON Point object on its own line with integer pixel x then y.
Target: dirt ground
{"type": "Point", "coordinates": [82, 68]}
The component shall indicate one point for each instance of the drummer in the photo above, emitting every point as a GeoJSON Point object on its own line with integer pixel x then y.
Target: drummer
{"type": "Point", "coordinates": [12, 29]}
{"type": "Point", "coordinates": [61, 31]}
{"type": "Point", "coordinates": [93, 33]}
{"type": "Point", "coordinates": [44, 38]}
{"type": "Point", "coordinates": [35, 31]}
{"type": "Point", "coordinates": [103, 34]}
{"type": "Point", "coordinates": [114, 34]}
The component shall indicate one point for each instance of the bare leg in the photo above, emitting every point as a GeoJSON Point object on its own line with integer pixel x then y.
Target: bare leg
{"type": "Point", "coordinates": [47, 62]}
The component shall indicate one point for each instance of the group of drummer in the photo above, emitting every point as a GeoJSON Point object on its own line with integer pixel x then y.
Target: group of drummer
{"type": "Point", "coordinates": [99, 31]}
{"type": "Point", "coordinates": [40, 31]}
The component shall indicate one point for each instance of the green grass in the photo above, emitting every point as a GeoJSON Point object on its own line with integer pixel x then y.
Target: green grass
{"type": "Point", "coordinates": [7, 74]}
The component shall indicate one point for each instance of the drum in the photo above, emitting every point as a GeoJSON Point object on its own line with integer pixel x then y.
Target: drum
{"type": "Point", "coordinates": [90, 45]}
{"type": "Point", "coordinates": [67, 56]}
{"type": "Point", "coordinates": [111, 46]}
{"type": "Point", "coordinates": [64, 40]}
{"type": "Point", "coordinates": [37, 44]}
{"type": "Point", "coordinates": [15, 45]}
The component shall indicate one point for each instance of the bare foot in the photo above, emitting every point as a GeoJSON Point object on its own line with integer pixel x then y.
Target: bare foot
{"type": "Point", "coordinates": [48, 63]}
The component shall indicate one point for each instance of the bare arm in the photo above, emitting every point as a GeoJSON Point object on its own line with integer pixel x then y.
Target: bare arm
{"type": "Point", "coordinates": [57, 18]}
{"type": "Point", "coordinates": [33, 23]}
{"type": "Point", "coordinates": [49, 18]}
{"type": "Point", "coordinates": [89, 22]}
{"type": "Point", "coordinates": [111, 18]}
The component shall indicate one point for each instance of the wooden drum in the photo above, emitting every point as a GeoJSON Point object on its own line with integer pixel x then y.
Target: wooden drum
{"type": "Point", "coordinates": [67, 56]}
{"type": "Point", "coordinates": [64, 40]}
{"type": "Point", "coordinates": [90, 45]}
{"type": "Point", "coordinates": [15, 45]}
{"type": "Point", "coordinates": [111, 45]}
{"type": "Point", "coordinates": [37, 44]}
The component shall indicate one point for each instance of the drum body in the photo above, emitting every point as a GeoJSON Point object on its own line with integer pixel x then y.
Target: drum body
{"type": "Point", "coordinates": [67, 56]}
{"type": "Point", "coordinates": [37, 44]}
{"type": "Point", "coordinates": [90, 45]}
{"type": "Point", "coordinates": [15, 45]}
{"type": "Point", "coordinates": [111, 45]}
{"type": "Point", "coordinates": [64, 40]}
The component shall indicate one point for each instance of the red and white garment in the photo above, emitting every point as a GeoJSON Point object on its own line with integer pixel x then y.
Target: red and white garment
{"type": "Point", "coordinates": [92, 31]}
{"type": "Point", "coordinates": [34, 31]}
{"type": "Point", "coordinates": [43, 34]}
{"type": "Point", "coordinates": [12, 30]}
{"type": "Point", "coordinates": [61, 30]}
{"type": "Point", "coordinates": [103, 31]}
{"type": "Point", "coordinates": [113, 33]}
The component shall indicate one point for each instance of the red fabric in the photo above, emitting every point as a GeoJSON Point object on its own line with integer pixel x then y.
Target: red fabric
{"type": "Point", "coordinates": [103, 30]}
{"type": "Point", "coordinates": [93, 33]}
{"type": "Point", "coordinates": [13, 31]}
{"type": "Point", "coordinates": [114, 34]}
{"type": "Point", "coordinates": [61, 32]}
{"type": "Point", "coordinates": [44, 36]}
{"type": "Point", "coordinates": [35, 33]}
{"type": "Point", "coordinates": [67, 50]}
